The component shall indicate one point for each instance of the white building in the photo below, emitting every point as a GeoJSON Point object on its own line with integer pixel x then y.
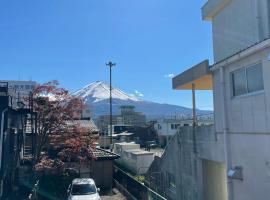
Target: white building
{"type": "Point", "coordinates": [19, 90]}
{"type": "Point", "coordinates": [166, 128]}
{"type": "Point", "coordinates": [230, 160]}
{"type": "Point", "coordinates": [133, 158]}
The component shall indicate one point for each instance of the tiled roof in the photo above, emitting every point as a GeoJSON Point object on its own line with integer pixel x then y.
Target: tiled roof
{"type": "Point", "coordinates": [102, 154]}
{"type": "Point", "coordinates": [88, 124]}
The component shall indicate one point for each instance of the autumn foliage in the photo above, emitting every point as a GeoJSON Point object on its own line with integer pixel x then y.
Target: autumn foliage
{"type": "Point", "coordinates": [58, 128]}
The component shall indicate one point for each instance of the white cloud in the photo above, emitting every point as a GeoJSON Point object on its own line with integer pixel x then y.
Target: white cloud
{"type": "Point", "coordinates": [139, 94]}
{"type": "Point", "coordinates": [169, 75]}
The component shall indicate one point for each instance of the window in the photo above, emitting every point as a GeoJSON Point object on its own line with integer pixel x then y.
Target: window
{"type": "Point", "coordinates": [255, 78]}
{"type": "Point", "coordinates": [83, 189]}
{"type": "Point", "coordinates": [171, 181]}
{"type": "Point", "coordinates": [247, 80]}
{"type": "Point", "coordinates": [174, 126]}
{"type": "Point", "coordinates": [239, 82]}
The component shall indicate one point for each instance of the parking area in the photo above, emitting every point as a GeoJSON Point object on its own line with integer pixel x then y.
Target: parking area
{"type": "Point", "coordinates": [115, 196]}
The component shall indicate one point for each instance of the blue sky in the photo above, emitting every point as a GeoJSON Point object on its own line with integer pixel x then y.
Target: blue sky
{"type": "Point", "coordinates": [70, 40]}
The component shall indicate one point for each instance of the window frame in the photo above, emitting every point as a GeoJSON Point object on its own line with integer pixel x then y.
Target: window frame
{"type": "Point", "coordinates": [171, 179]}
{"type": "Point", "coordinates": [247, 93]}
{"type": "Point", "coordinates": [246, 69]}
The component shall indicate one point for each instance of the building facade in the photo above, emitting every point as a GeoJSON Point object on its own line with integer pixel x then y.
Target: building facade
{"type": "Point", "coordinates": [19, 91]}
{"type": "Point", "coordinates": [167, 128]}
{"type": "Point", "coordinates": [230, 159]}
{"type": "Point", "coordinates": [128, 117]}
{"type": "Point", "coordinates": [17, 143]}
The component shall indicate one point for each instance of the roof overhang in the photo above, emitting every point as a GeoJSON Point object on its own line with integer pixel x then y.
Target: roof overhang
{"type": "Point", "coordinates": [199, 75]}
{"type": "Point", "coordinates": [212, 8]}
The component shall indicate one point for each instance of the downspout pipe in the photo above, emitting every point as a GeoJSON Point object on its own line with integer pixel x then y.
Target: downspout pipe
{"type": "Point", "coordinates": [2, 135]}
{"type": "Point", "coordinates": [1, 147]}
{"type": "Point", "coordinates": [225, 133]}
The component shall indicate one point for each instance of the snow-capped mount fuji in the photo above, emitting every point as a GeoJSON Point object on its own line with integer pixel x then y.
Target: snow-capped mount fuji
{"type": "Point", "coordinates": [97, 95]}
{"type": "Point", "coordinates": [99, 91]}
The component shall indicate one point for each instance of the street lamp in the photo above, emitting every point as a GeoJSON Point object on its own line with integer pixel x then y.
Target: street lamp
{"type": "Point", "coordinates": [110, 64]}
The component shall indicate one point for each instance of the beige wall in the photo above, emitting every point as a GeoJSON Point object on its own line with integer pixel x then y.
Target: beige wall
{"type": "Point", "coordinates": [214, 180]}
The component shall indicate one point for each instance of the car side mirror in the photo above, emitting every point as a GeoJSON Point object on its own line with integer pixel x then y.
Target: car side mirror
{"type": "Point", "coordinates": [98, 189]}
{"type": "Point", "coordinates": [68, 191]}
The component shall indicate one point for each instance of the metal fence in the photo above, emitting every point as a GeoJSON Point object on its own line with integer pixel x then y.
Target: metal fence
{"type": "Point", "coordinates": [135, 188]}
{"type": "Point", "coordinates": [34, 192]}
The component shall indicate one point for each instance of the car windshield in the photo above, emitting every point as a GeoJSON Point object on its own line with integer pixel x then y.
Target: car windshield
{"type": "Point", "coordinates": [83, 189]}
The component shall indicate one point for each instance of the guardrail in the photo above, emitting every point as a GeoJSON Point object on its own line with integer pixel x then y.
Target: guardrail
{"type": "Point", "coordinates": [136, 189]}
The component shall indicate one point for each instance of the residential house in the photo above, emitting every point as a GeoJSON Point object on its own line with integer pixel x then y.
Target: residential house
{"type": "Point", "coordinates": [230, 159]}
{"type": "Point", "coordinates": [17, 142]}
{"type": "Point", "coordinates": [167, 128]}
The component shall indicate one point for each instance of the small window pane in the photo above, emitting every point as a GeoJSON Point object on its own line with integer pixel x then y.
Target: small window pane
{"type": "Point", "coordinates": [239, 82]}
{"type": "Point", "coordinates": [255, 78]}
{"type": "Point", "coordinates": [171, 181]}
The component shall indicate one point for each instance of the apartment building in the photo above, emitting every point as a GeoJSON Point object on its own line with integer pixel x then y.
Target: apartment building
{"type": "Point", "coordinates": [128, 117]}
{"type": "Point", "coordinates": [229, 160]}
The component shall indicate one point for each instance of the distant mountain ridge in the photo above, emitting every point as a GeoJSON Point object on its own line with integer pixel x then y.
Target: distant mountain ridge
{"type": "Point", "coordinates": [97, 95]}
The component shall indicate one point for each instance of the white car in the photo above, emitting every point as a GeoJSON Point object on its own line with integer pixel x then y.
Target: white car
{"type": "Point", "coordinates": [83, 189]}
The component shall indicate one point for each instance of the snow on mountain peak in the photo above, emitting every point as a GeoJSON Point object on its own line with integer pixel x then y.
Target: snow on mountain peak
{"type": "Point", "coordinates": [98, 91]}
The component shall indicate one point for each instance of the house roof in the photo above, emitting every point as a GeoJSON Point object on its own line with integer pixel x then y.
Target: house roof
{"type": "Point", "coordinates": [102, 154]}
{"type": "Point", "coordinates": [123, 134]}
{"type": "Point", "coordinates": [85, 123]}
{"type": "Point", "coordinates": [139, 152]}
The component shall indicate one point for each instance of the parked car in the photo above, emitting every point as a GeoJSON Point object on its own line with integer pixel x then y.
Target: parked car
{"type": "Point", "coordinates": [151, 144]}
{"type": "Point", "coordinates": [83, 189]}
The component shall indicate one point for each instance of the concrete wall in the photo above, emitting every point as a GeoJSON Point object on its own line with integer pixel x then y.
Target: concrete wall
{"type": "Point", "coordinates": [248, 129]}
{"type": "Point", "coordinates": [248, 113]}
{"type": "Point", "coordinates": [251, 151]}
{"type": "Point", "coordinates": [238, 25]}
{"type": "Point", "coordinates": [187, 166]}
{"type": "Point", "coordinates": [137, 161]}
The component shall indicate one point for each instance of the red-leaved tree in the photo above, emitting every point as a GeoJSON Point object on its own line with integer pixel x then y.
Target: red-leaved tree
{"type": "Point", "coordinates": [57, 129]}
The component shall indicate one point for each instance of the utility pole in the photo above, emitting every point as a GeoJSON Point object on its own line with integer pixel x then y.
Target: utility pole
{"type": "Point", "coordinates": [110, 64]}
